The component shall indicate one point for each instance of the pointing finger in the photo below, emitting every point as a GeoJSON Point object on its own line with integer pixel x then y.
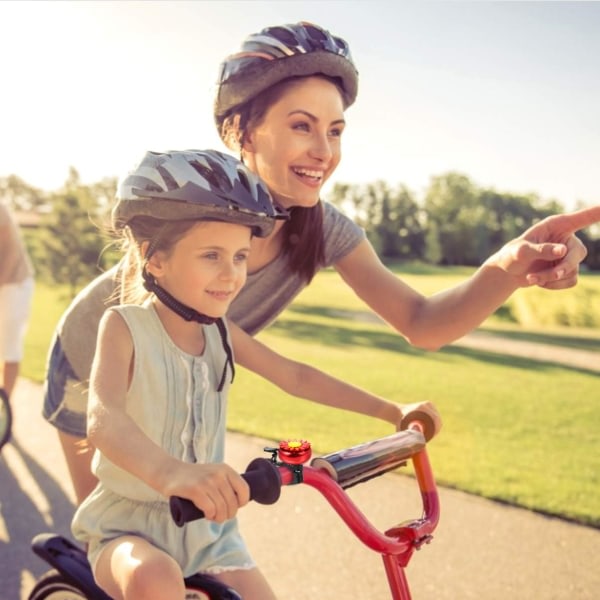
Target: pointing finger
{"type": "Point", "coordinates": [580, 219]}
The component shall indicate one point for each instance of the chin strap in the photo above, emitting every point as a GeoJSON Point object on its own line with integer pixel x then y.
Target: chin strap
{"type": "Point", "coordinates": [189, 314]}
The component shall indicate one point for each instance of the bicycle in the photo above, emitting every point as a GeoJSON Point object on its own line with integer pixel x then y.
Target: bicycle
{"type": "Point", "coordinates": [331, 475]}
{"type": "Point", "coordinates": [5, 418]}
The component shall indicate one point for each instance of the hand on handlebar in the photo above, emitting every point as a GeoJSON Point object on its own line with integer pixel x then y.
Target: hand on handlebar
{"type": "Point", "coordinates": [423, 412]}
{"type": "Point", "coordinates": [216, 489]}
{"type": "Point", "coordinates": [264, 484]}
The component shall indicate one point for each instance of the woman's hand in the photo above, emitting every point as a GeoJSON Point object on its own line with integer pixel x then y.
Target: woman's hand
{"type": "Point", "coordinates": [424, 412]}
{"type": "Point", "coordinates": [548, 254]}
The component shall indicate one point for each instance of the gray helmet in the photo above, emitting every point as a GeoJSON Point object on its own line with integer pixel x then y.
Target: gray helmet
{"type": "Point", "coordinates": [276, 53]}
{"type": "Point", "coordinates": [195, 184]}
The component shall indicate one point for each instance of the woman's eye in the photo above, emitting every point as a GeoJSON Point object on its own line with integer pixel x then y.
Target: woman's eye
{"type": "Point", "coordinates": [210, 256]}
{"type": "Point", "coordinates": [241, 257]}
{"type": "Point", "coordinates": [303, 126]}
{"type": "Point", "coordinates": [336, 132]}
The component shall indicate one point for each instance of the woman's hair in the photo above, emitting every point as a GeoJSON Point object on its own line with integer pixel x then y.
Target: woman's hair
{"type": "Point", "coordinates": [304, 242]}
{"type": "Point", "coordinates": [161, 236]}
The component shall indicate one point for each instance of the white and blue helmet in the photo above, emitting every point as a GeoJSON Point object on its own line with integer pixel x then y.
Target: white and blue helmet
{"type": "Point", "coordinates": [195, 184]}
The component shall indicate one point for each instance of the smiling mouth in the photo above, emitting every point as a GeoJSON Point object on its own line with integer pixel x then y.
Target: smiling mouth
{"type": "Point", "coordinates": [220, 295]}
{"type": "Point", "coordinates": [313, 175]}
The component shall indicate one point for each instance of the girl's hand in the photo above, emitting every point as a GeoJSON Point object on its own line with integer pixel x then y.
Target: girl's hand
{"type": "Point", "coordinates": [216, 489]}
{"type": "Point", "coordinates": [426, 413]}
{"type": "Point", "coordinates": [548, 254]}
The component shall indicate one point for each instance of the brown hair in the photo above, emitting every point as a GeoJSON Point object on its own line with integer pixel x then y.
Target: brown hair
{"type": "Point", "coordinates": [304, 238]}
{"type": "Point", "coordinates": [161, 236]}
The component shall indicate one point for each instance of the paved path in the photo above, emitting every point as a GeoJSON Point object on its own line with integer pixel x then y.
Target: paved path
{"type": "Point", "coordinates": [481, 549]}
{"type": "Point", "coordinates": [571, 357]}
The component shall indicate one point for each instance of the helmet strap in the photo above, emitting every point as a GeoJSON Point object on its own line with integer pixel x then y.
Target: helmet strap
{"type": "Point", "coordinates": [190, 314]}
{"type": "Point", "coordinates": [184, 311]}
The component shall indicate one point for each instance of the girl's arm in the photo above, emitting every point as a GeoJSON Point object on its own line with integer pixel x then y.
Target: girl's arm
{"type": "Point", "coordinates": [215, 488]}
{"type": "Point", "coordinates": [304, 381]}
{"type": "Point", "coordinates": [547, 254]}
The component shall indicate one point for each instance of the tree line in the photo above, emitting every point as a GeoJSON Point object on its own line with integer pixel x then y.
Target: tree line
{"type": "Point", "coordinates": [455, 223]}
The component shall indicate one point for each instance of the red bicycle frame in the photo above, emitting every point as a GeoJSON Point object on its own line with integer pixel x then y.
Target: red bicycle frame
{"type": "Point", "coordinates": [331, 474]}
{"type": "Point", "coordinates": [396, 545]}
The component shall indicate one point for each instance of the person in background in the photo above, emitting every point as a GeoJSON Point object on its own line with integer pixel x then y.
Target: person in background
{"type": "Point", "coordinates": [16, 292]}
{"type": "Point", "coordinates": [280, 104]}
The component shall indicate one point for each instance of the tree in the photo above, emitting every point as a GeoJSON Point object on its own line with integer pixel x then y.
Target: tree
{"type": "Point", "coordinates": [453, 209]}
{"type": "Point", "coordinates": [390, 217]}
{"type": "Point", "coordinates": [471, 223]}
{"type": "Point", "coordinates": [70, 243]}
{"type": "Point", "coordinates": [400, 230]}
{"type": "Point", "coordinates": [19, 195]}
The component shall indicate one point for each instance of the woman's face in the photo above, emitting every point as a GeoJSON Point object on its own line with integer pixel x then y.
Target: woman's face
{"type": "Point", "coordinates": [297, 145]}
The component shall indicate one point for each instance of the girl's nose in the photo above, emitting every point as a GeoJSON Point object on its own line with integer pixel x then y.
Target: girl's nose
{"type": "Point", "coordinates": [229, 270]}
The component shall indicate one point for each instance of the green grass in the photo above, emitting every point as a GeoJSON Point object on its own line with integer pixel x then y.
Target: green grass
{"type": "Point", "coordinates": [515, 430]}
{"type": "Point", "coordinates": [49, 303]}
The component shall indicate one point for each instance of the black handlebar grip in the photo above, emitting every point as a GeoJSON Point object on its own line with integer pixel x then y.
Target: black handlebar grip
{"type": "Point", "coordinates": [262, 476]}
{"type": "Point", "coordinates": [425, 420]}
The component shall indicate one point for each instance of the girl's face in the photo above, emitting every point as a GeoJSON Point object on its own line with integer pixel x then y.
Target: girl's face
{"type": "Point", "coordinates": [206, 268]}
{"type": "Point", "coordinates": [297, 145]}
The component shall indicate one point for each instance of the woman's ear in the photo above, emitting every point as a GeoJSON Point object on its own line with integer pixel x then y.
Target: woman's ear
{"type": "Point", "coordinates": [247, 144]}
{"type": "Point", "coordinates": [248, 151]}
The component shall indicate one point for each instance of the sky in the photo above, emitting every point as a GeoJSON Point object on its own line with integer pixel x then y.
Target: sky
{"type": "Point", "coordinates": [507, 93]}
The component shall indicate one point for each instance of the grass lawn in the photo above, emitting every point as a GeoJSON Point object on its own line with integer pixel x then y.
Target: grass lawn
{"type": "Point", "coordinates": [515, 429]}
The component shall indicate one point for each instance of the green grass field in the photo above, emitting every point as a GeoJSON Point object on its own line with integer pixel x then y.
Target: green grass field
{"type": "Point", "coordinates": [515, 430]}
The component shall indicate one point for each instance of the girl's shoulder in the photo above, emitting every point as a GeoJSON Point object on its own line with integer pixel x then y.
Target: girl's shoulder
{"type": "Point", "coordinates": [138, 315]}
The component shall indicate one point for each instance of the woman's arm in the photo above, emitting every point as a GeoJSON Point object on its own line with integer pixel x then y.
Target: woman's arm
{"type": "Point", "coordinates": [547, 254]}
{"type": "Point", "coordinates": [215, 488]}
{"type": "Point", "coordinates": [306, 382]}
{"type": "Point", "coordinates": [425, 322]}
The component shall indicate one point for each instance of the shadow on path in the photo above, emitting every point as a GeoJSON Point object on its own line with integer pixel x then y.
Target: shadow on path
{"type": "Point", "coordinates": [22, 479]}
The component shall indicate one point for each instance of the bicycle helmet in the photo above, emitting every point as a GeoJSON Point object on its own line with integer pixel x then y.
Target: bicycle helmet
{"type": "Point", "coordinates": [195, 184]}
{"type": "Point", "coordinates": [276, 53]}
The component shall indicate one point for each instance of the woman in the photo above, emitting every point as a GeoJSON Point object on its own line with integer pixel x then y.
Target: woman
{"type": "Point", "coordinates": [280, 102]}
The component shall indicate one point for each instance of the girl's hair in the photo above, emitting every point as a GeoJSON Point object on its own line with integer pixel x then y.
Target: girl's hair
{"type": "Point", "coordinates": [161, 236]}
{"type": "Point", "coordinates": [304, 242]}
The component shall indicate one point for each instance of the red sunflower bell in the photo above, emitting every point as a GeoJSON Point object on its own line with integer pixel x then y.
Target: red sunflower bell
{"type": "Point", "coordinates": [294, 452]}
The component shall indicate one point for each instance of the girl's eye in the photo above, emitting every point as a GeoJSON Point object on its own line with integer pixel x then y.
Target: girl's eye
{"type": "Point", "coordinates": [241, 257]}
{"type": "Point", "coordinates": [211, 256]}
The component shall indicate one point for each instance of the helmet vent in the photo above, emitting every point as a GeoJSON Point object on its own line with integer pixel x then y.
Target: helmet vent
{"type": "Point", "coordinates": [214, 175]}
{"type": "Point", "coordinates": [244, 180]}
{"type": "Point", "coordinates": [167, 178]}
{"type": "Point", "coordinates": [283, 35]}
{"type": "Point", "coordinates": [316, 34]}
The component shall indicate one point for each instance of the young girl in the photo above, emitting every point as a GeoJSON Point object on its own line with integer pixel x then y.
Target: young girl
{"type": "Point", "coordinates": [280, 103]}
{"type": "Point", "coordinates": [161, 373]}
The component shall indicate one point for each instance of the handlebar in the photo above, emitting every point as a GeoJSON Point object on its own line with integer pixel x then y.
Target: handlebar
{"type": "Point", "coordinates": [262, 478]}
{"type": "Point", "coordinates": [331, 474]}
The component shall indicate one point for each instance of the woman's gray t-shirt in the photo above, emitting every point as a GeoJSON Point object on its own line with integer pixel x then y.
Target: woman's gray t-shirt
{"type": "Point", "coordinates": [265, 295]}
